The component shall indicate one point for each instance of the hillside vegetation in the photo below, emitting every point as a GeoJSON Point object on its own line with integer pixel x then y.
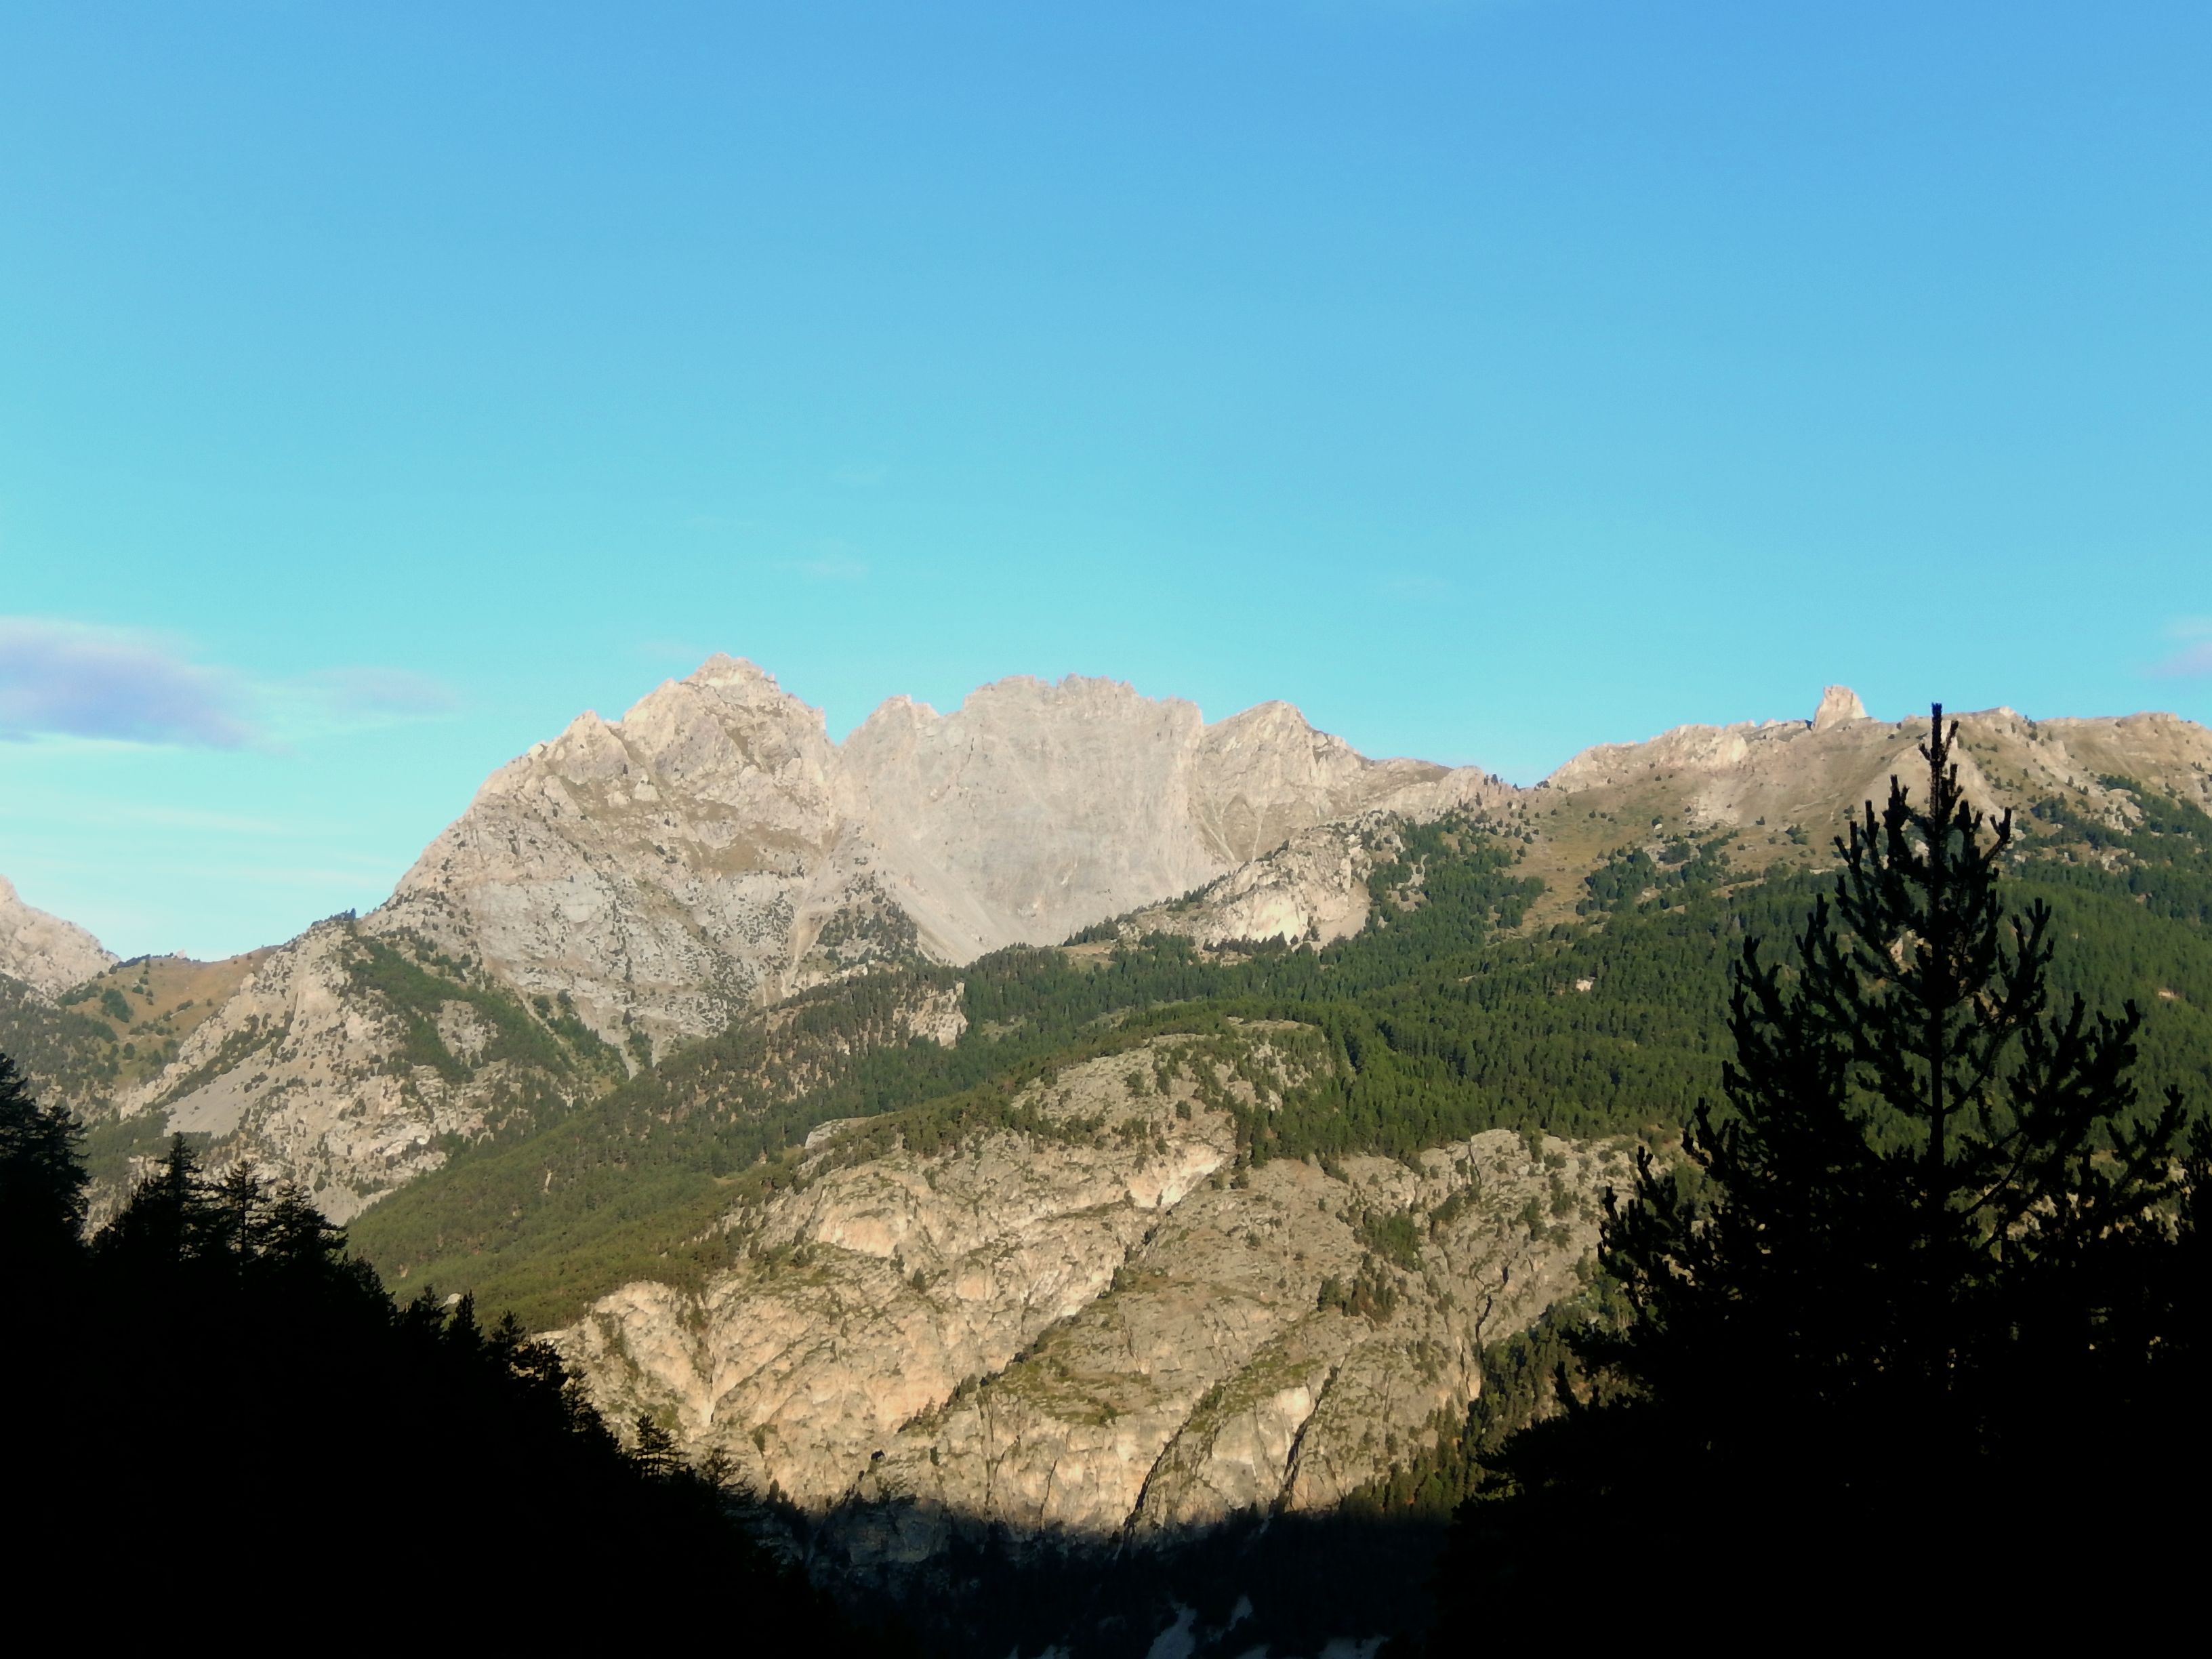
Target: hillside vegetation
{"type": "Point", "coordinates": [1448, 1014]}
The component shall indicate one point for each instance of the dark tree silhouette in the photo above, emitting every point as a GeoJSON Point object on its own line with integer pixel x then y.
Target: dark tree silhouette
{"type": "Point", "coordinates": [211, 1395]}
{"type": "Point", "coordinates": [1933, 1218]}
{"type": "Point", "coordinates": [41, 1183]}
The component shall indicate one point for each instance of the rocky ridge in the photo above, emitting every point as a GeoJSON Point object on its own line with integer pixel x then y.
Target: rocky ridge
{"type": "Point", "coordinates": [712, 849]}
{"type": "Point", "coordinates": [1791, 771]}
{"type": "Point", "coordinates": [1785, 787]}
{"type": "Point", "coordinates": [1072, 1323]}
{"type": "Point", "coordinates": [639, 882]}
{"type": "Point", "coordinates": [636, 883]}
{"type": "Point", "coordinates": [43, 951]}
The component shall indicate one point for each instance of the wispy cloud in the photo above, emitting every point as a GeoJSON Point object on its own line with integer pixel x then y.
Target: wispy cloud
{"type": "Point", "coordinates": [73, 679]}
{"type": "Point", "coordinates": [829, 566]}
{"type": "Point", "coordinates": [2188, 663]}
{"type": "Point", "coordinates": [2194, 660]}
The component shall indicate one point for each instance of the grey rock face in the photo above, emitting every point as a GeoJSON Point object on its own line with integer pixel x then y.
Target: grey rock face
{"type": "Point", "coordinates": [714, 850]}
{"type": "Point", "coordinates": [1035, 809]}
{"type": "Point", "coordinates": [45, 953]}
{"type": "Point", "coordinates": [663, 870]}
{"type": "Point", "coordinates": [305, 1074]}
{"type": "Point", "coordinates": [1089, 1331]}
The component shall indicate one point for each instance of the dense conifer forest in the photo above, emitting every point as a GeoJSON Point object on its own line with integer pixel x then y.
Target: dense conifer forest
{"type": "Point", "coordinates": [210, 1400]}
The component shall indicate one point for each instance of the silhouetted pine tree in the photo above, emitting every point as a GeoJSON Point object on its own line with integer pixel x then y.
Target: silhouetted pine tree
{"type": "Point", "coordinates": [211, 1393]}
{"type": "Point", "coordinates": [165, 1221]}
{"type": "Point", "coordinates": [1931, 1226]}
{"type": "Point", "coordinates": [42, 1210]}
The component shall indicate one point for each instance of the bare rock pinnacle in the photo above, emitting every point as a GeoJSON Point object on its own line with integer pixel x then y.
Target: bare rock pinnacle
{"type": "Point", "coordinates": [1839, 703]}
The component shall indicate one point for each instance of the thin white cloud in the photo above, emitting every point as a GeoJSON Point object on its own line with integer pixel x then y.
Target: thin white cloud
{"type": "Point", "coordinates": [64, 681]}
{"type": "Point", "coordinates": [73, 679]}
{"type": "Point", "coordinates": [2194, 660]}
{"type": "Point", "coordinates": [2191, 662]}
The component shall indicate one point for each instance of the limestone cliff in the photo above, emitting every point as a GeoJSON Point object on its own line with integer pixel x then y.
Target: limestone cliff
{"type": "Point", "coordinates": [663, 870]}
{"type": "Point", "coordinates": [712, 850]}
{"type": "Point", "coordinates": [1071, 1322]}
{"type": "Point", "coordinates": [1035, 809]}
{"type": "Point", "coordinates": [632, 883]}
{"type": "Point", "coordinates": [43, 951]}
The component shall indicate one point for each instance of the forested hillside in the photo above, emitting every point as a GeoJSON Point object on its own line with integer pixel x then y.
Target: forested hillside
{"type": "Point", "coordinates": [1446, 1016]}
{"type": "Point", "coordinates": [209, 1381]}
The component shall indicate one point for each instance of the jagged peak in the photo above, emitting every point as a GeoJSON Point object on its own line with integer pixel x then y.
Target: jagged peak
{"type": "Point", "coordinates": [1839, 703]}
{"type": "Point", "coordinates": [42, 950]}
{"type": "Point", "coordinates": [1095, 689]}
{"type": "Point", "coordinates": [722, 670]}
{"type": "Point", "coordinates": [896, 712]}
{"type": "Point", "coordinates": [733, 682]}
{"type": "Point", "coordinates": [1272, 715]}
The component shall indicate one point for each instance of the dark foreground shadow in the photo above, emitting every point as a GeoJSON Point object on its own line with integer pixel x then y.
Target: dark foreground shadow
{"type": "Point", "coordinates": [1281, 1584]}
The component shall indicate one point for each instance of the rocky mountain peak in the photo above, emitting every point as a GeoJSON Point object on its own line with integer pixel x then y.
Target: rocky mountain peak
{"type": "Point", "coordinates": [1839, 703]}
{"type": "Point", "coordinates": [738, 677]}
{"type": "Point", "coordinates": [712, 850]}
{"type": "Point", "coordinates": [44, 952]}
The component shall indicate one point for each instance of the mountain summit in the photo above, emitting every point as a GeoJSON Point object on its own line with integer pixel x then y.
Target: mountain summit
{"type": "Point", "coordinates": [713, 849]}
{"type": "Point", "coordinates": [1839, 703]}
{"type": "Point", "coordinates": [640, 882]}
{"type": "Point", "coordinates": [42, 951]}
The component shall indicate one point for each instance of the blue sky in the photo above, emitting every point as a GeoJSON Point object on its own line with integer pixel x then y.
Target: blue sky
{"type": "Point", "coordinates": [378, 386]}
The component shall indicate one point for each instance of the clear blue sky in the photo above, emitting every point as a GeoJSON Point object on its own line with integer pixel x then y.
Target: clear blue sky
{"type": "Point", "coordinates": [382, 385]}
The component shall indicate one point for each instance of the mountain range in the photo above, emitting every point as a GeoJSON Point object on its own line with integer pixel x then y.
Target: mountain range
{"type": "Point", "coordinates": [1061, 1114]}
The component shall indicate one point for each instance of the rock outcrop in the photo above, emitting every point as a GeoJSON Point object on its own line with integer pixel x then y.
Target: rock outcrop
{"type": "Point", "coordinates": [712, 852]}
{"type": "Point", "coordinates": [662, 871]}
{"type": "Point", "coordinates": [637, 882]}
{"type": "Point", "coordinates": [43, 951]}
{"type": "Point", "coordinates": [1839, 703]}
{"type": "Point", "coordinates": [1074, 1323]}
{"type": "Point", "coordinates": [310, 1074]}
{"type": "Point", "coordinates": [1035, 809]}
{"type": "Point", "coordinates": [1792, 773]}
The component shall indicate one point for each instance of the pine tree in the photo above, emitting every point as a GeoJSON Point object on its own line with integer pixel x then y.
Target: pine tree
{"type": "Point", "coordinates": [1932, 1221]}
{"type": "Point", "coordinates": [1926, 1182]}
{"type": "Point", "coordinates": [42, 1205]}
{"type": "Point", "coordinates": [166, 1219]}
